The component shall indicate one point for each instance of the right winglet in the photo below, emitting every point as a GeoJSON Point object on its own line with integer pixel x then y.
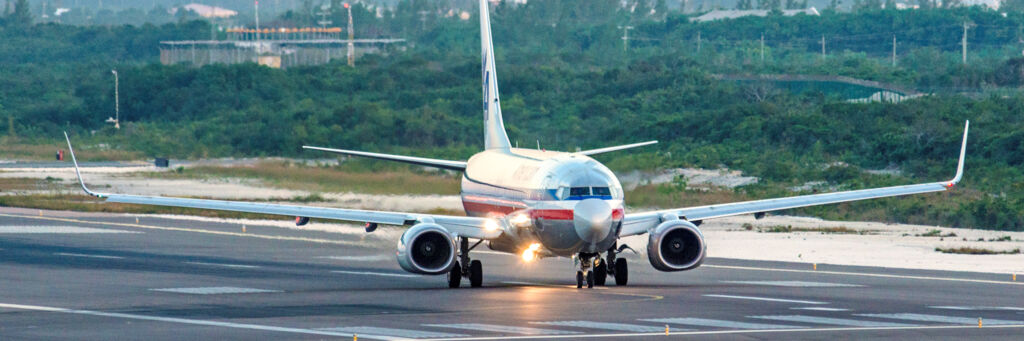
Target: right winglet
{"type": "Point", "coordinates": [963, 152]}
{"type": "Point", "coordinates": [77, 172]}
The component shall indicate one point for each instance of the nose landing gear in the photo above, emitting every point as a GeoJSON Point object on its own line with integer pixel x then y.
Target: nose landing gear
{"type": "Point", "coordinates": [586, 262]}
{"type": "Point", "coordinates": [464, 267]}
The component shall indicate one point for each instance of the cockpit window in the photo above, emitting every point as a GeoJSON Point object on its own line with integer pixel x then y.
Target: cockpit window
{"type": "Point", "coordinates": [579, 191]}
{"type": "Point", "coordinates": [602, 191]}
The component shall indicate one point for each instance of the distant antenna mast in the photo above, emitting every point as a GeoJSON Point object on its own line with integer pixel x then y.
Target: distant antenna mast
{"type": "Point", "coordinates": [351, 37]}
{"type": "Point", "coordinates": [257, 49]}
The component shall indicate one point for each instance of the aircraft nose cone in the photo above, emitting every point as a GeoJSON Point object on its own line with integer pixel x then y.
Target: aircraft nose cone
{"type": "Point", "coordinates": [592, 219]}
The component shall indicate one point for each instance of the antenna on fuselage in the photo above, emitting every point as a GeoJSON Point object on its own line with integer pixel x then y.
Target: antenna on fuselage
{"type": "Point", "coordinates": [538, 144]}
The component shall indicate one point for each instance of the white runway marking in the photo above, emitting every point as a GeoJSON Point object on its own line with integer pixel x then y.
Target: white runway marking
{"type": "Point", "coordinates": [186, 321]}
{"type": "Point", "coordinates": [395, 332]}
{"type": "Point", "coordinates": [368, 273]}
{"type": "Point", "coordinates": [820, 309]}
{"type": "Point", "coordinates": [57, 229]}
{"type": "Point", "coordinates": [372, 258]}
{"type": "Point", "coordinates": [830, 320]}
{"type": "Point", "coordinates": [225, 265]}
{"type": "Point", "coordinates": [503, 329]}
{"type": "Point", "coordinates": [928, 278]}
{"type": "Point", "coordinates": [769, 299]}
{"type": "Point", "coordinates": [692, 321]}
{"type": "Point", "coordinates": [797, 284]}
{"type": "Point", "coordinates": [215, 290]}
{"type": "Point", "coordinates": [943, 319]}
{"type": "Point", "coordinates": [87, 255]}
{"type": "Point", "coordinates": [636, 328]}
{"type": "Point", "coordinates": [978, 308]}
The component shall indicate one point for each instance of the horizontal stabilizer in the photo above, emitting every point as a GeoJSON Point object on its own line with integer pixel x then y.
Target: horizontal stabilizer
{"type": "Point", "coordinates": [615, 148]}
{"type": "Point", "coordinates": [436, 163]}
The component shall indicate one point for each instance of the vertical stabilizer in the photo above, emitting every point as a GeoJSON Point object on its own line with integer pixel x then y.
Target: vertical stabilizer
{"type": "Point", "coordinates": [494, 127]}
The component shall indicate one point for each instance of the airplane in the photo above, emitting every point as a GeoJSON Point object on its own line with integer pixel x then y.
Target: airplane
{"type": "Point", "coordinates": [535, 203]}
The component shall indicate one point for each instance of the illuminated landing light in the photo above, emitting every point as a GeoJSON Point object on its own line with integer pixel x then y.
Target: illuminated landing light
{"type": "Point", "coordinates": [531, 252]}
{"type": "Point", "coordinates": [520, 220]}
{"type": "Point", "coordinates": [491, 225]}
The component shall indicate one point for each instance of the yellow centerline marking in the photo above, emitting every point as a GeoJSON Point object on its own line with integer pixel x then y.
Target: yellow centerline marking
{"type": "Point", "coordinates": [930, 278]}
{"type": "Point", "coordinates": [185, 229]}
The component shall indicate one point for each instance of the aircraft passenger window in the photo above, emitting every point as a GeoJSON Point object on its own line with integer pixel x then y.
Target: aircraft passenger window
{"type": "Point", "coordinates": [602, 191]}
{"type": "Point", "coordinates": [579, 191]}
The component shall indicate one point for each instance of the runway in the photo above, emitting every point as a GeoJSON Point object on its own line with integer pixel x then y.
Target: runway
{"type": "Point", "coordinates": [83, 276]}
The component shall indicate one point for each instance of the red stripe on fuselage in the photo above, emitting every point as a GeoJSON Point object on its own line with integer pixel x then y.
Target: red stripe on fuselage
{"type": "Point", "coordinates": [551, 214]}
{"type": "Point", "coordinates": [484, 209]}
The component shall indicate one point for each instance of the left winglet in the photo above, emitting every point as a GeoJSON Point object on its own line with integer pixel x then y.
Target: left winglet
{"type": "Point", "coordinates": [77, 171]}
{"type": "Point", "coordinates": [960, 164]}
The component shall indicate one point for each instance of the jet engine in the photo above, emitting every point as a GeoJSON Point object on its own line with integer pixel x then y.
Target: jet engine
{"type": "Point", "coordinates": [676, 245]}
{"type": "Point", "coordinates": [426, 248]}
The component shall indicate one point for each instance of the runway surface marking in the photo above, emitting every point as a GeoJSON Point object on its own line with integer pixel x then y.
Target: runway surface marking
{"type": "Point", "coordinates": [185, 229]}
{"type": "Point", "coordinates": [829, 320]}
{"type": "Point", "coordinates": [215, 290]}
{"type": "Point", "coordinates": [950, 279]}
{"type": "Point", "coordinates": [978, 308]}
{"type": "Point", "coordinates": [942, 319]}
{"type": "Point", "coordinates": [56, 229]}
{"type": "Point", "coordinates": [693, 321]}
{"type": "Point", "coordinates": [394, 332]}
{"type": "Point", "coordinates": [186, 321]}
{"type": "Point", "coordinates": [87, 255]}
{"type": "Point", "coordinates": [797, 284]}
{"type": "Point", "coordinates": [370, 273]}
{"type": "Point", "coordinates": [725, 332]}
{"type": "Point", "coordinates": [372, 258]}
{"type": "Point", "coordinates": [502, 329]}
{"type": "Point", "coordinates": [225, 265]}
{"type": "Point", "coordinates": [625, 327]}
{"type": "Point", "coordinates": [820, 309]}
{"type": "Point", "coordinates": [769, 299]}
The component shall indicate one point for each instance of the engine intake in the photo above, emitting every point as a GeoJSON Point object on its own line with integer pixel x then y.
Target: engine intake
{"type": "Point", "coordinates": [426, 248]}
{"type": "Point", "coordinates": [676, 245]}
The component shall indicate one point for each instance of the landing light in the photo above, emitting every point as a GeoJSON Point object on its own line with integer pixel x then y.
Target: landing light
{"type": "Point", "coordinates": [520, 220]}
{"type": "Point", "coordinates": [531, 252]}
{"type": "Point", "coordinates": [491, 225]}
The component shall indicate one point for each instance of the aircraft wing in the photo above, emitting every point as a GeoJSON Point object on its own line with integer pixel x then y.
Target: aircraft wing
{"type": "Point", "coordinates": [472, 227]}
{"type": "Point", "coordinates": [640, 223]}
{"type": "Point", "coordinates": [422, 161]}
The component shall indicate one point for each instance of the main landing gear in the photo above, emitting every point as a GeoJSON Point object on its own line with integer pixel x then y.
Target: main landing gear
{"type": "Point", "coordinates": [595, 271]}
{"type": "Point", "coordinates": [466, 268]}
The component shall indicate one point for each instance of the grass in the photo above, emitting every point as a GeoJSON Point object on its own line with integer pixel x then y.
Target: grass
{"type": "Point", "coordinates": [936, 233]}
{"type": "Point", "coordinates": [16, 149]}
{"type": "Point", "coordinates": [293, 176]}
{"type": "Point", "coordinates": [976, 251]}
{"type": "Point", "coordinates": [25, 184]}
{"type": "Point", "coordinates": [822, 230]}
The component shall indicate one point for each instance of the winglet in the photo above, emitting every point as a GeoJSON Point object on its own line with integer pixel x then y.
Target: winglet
{"type": "Point", "coordinates": [963, 152]}
{"type": "Point", "coordinates": [77, 172]}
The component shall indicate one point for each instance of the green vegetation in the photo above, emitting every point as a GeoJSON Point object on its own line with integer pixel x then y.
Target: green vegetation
{"type": "Point", "coordinates": [566, 81]}
{"type": "Point", "coordinates": [976, 251]}
{"type": "Point", "coordinates": [822, 230]}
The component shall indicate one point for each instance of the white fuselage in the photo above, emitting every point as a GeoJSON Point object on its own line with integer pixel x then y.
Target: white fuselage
{"type": "Point", "coordinates": [569, 203]}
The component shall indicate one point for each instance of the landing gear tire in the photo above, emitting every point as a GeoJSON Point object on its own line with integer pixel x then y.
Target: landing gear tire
{"type": "Point", "coordinates": [579, 279]}
{"type": "Point", "coordinates": [621, 272]}
{"type": "Point", "coordinates": [600, 273]}
{"type": "Point", "coordinates": [476, 274]}
{"type": "Point", "coordinates": [590, 279]}
{"type": "Point", "coordinates": [455, 275]}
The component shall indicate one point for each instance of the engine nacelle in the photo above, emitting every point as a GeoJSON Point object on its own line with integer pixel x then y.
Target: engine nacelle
{"type": "Point", "coordinates": [426, 248]}
{"type": "Point", "coordinates": [676, 245]}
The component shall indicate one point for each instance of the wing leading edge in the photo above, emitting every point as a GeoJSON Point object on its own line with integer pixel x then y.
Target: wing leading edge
{"type": "Point", "coordinates": [639, 223]}
{"type": "Point", "coordinates": [471, 227]}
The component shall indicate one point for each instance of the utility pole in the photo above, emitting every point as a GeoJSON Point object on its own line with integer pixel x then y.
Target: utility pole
{"type": "Point", "coordinates": [964, 43]}
{"type": "Point", "coordinates": [351, 37]}
{"type": "Point", "coordinates": [257, 49]}
{"type": "Point", "coordinates": [324, 12]}
{"type": "Point", "coordinates": [823, 47]}
{"type": "Point", "coordinates": [762, 47]}
{"type": "Point", "coordinates": [423, 19]}
{"type": "Point", "coordinates": [625, 37]}
{"type": "Point", "coordinates": [117, 101]}
{"type": "Point", "coordinates": [893, 50]}
{"type": "Point", "coordinates": [698, 41]}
